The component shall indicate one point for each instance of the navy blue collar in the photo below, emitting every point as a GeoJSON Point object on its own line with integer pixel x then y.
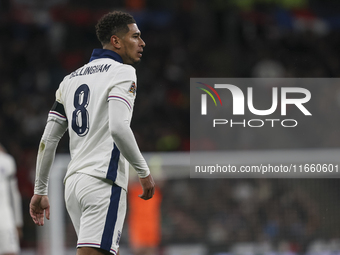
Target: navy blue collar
{"type": "Point", "coordinates": [102, 53]}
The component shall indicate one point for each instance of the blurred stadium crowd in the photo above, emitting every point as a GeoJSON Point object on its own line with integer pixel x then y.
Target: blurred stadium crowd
{"type": "Point", "coordinates": [42, 41]}
{"type": "Point", "coordinates": [278, 215]}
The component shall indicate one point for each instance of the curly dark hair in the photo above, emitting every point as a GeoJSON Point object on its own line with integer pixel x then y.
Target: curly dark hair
{"type": "Point", "coordinates": [113, 23]}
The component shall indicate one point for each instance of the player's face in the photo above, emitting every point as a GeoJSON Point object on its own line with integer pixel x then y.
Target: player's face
{"type": "Point", "coordinates": [132, 45]}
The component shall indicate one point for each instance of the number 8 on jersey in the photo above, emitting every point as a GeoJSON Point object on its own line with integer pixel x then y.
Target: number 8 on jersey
{"type": "Point", "coordinates": [80, 116]}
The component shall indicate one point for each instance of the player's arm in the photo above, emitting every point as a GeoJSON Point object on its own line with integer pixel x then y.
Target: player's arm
{"type": "Point", "coordinates": [54, 130]}
{"type": "Point", "coordinates": [122, 134]}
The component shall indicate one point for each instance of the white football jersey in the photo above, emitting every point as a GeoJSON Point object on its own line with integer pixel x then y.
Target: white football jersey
{"type": "Point", "coordinates": [83, 101]}
{"type": "Point", "coordinates": [10, 209]}
{"type": "Point", "coordinates": [10, 203]}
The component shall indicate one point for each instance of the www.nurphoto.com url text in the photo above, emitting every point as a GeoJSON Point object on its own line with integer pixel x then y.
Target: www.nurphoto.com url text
{"type": "Point", "coordinates": [268, 168]}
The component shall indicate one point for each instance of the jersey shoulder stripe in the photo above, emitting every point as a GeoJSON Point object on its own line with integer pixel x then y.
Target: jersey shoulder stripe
{"type": "Point", "coordinates": [58, 115]}
{"type": "Point", "coordinates": [120, 98]}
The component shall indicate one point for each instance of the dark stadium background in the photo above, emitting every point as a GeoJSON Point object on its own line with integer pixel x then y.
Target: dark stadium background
{"type": "Point", "coordinates": [42, 41]}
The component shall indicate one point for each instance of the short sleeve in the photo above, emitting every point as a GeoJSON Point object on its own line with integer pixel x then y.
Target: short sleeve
{"type": "Point", "coordinates": [59, 92]}
{"type": "Point", "coordinates": [58, 96]}
{"type": "Point", "coordinates": [124, 86]}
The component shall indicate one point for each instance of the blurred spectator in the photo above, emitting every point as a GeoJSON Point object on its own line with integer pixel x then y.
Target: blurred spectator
{"type": "Point", "coordinates": [11, 220]}
{"type": "Point", "coordinates": [144, 221]}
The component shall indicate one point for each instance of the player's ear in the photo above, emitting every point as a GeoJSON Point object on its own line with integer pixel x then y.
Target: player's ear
{"type": "Point", "coordinates": [115, 41]}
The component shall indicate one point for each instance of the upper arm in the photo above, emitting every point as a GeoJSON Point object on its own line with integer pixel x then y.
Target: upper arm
{"type": "Point", "coordinates": [57, 123]}
{"type": "Point", "coordinates": [119, 116]}
{"type": "Point", "coordinates": [58, 111]}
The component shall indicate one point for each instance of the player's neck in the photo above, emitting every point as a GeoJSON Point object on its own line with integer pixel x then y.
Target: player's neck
{"type": "Point", "coordinates": [110, 47]}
